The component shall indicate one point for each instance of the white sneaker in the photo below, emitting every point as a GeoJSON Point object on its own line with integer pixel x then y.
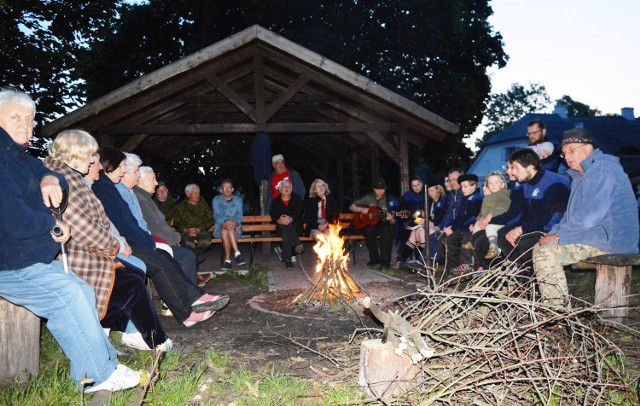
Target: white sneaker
{"type": "Point", "coordinates": [120, 379]}
{"type": "Point", "coordinates": [167, 345]}
{"type": "Point", "coordinates": [135, 340]}
{"type": "Point", "coordinates": [278, 251]}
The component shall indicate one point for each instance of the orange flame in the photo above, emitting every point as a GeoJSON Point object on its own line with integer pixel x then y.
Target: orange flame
{"type": "Point", "coordinates": [330, 247]}
{"type": "Point", "coordinates": [332, 269]}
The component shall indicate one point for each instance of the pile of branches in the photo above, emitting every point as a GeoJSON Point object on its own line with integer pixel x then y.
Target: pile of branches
{"type": "Point", "coordinates": [495, 343]}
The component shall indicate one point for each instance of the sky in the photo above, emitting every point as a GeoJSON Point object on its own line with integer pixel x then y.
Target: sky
{"type": "Point", "coordinates": [588, 49]}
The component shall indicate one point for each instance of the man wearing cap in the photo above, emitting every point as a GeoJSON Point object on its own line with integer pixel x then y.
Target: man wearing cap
{"type": "Point", "coordinates": [601, 217]}
{"type": "Point", "coordinates": [280, 173]}
{"type": "Point", "coordinates": [385, 204]}
{"type": "Point", "coordinates": [545, 196]}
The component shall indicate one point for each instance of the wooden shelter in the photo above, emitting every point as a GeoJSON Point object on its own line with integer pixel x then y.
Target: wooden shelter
{"type": "Point", "coordinates": [257, 81]}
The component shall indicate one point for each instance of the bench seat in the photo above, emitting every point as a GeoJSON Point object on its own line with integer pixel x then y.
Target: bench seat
{"type": "Point", "coordinates": [260, 230]}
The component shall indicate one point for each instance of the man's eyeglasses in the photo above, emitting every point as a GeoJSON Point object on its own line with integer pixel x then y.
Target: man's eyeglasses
{"type": "Point", "coordinates": [529, 134]}
{"type": "Point", "coordinates": [570, 151]}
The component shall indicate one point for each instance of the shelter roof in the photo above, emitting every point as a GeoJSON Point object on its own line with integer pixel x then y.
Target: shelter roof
{"type": "Point", "coordinates": [249, 82]}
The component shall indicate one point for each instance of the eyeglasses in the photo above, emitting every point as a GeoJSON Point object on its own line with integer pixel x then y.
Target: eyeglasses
{"type": "Point", "coordinates": [571, 151]}
{"type": "Point", "coordinates": [529, 134]}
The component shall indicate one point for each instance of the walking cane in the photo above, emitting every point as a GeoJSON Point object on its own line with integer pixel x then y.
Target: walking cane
{"type": "Point", "coordinates": [57, 231]}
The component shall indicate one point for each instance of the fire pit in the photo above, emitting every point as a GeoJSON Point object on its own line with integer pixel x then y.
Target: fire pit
{"type": "Point", "coordinates": [331, 284]}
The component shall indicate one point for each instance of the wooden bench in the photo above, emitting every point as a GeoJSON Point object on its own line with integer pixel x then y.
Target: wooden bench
{"type": "Point", "coordinates": [19, 343]}
{"type": "Point", "coordinates": [613, 283]}
{"type": "Point", "coordinates": [260, 229]}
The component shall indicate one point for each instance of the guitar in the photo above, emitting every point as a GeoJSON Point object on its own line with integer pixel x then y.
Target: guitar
{"type": "Point", "coordinates": [375, 216]}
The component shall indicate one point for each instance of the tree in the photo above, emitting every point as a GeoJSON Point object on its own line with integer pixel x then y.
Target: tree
{"type": "Point", "coordinates": [577, 109]}
{"type": "Point", "coordinates": [434, 52]}
{"type": "Point", "coordinates": [506, 108]}
{"type": "Point", "coordinates": [40, 41]}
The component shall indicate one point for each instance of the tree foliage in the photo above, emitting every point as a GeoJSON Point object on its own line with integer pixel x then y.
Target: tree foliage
{"type": "Point", "coordinates": [578, 109]}
{"type": "Point", "coordinates": [40, 44]}
{"type": "Point", "coordinates": [506, 108]}
{"type": "Point", "coordinates": [434, 52]}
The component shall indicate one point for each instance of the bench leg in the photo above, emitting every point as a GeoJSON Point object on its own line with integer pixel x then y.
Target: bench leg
{"type": "Point", "coordinates": [613, 284]}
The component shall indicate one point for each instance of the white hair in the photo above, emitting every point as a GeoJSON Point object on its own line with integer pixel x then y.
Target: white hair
{"type": "Point", "coordinates": [18, 97]}
{"type": "Point", "coordinates": [145, 170]}
{"type": "Point", "coordinates": [282, 182]}
{"type": "Point", "coordinates": [131, 162]}
{"type": "Point", "coordinates": [190, 188]}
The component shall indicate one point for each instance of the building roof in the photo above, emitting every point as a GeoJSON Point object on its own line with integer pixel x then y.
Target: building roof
{"type": "Point", "coordinates": [613, 134]}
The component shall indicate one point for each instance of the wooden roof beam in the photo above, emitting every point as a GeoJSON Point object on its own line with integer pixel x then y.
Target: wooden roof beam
{"type": "Point", "coordinates": [231, 128]}
{"type": "Point", "coordinates": [233, 97]}
{"type": "Point", "coordinates": [286, 96]}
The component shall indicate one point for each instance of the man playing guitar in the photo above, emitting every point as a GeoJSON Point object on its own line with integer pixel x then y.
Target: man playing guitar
{"type": "Point", "coordinates": [377, 201]}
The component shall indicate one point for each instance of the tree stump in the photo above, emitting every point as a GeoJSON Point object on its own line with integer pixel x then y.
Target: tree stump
{"type": "Point", "coordinates": [19, 342]}
{"type": "Point", "coordinates": [384, 373]}
{"type": "Point", "coordinates": [613, 283]}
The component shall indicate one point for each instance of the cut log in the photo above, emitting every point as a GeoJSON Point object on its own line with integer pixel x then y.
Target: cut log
{"type": "Point", "coordinates": [613, 283]}
{"type": "Point", "coordinates": [19, 342]}
{"type": "Point", "coordinates": [383, 373]}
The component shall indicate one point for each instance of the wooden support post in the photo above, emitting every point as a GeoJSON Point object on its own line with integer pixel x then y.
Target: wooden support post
{"type": "Point", "coordinates": [404, 162]}
{"type": "Point", "coordinates": [266, 247]}
{"type": "Point", "coordinates": [19, 342]}
{"type": "Point", "coordinates": [355, 181]}
{"type": "Point", "coordinates": [613, 283]}
{"type": "Point", "coordinates": [340, 183]}
{"type": "Point", "coordinates": [375, 164]}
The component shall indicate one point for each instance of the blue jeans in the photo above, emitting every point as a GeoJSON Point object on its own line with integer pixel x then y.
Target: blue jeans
{"type": "Point", "coordinates": [69, 305]}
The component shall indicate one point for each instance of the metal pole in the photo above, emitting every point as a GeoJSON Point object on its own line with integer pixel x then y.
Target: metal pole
{"type": "Point", "coordinates": [57, 231]}
{"type": "Point", "coordinates": [426, 226]}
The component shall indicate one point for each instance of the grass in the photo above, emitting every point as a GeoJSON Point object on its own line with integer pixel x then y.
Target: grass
{"type": "Point", "coordinates": [257, 276]}
{"type": "Point", "coordinates": [181, 378]}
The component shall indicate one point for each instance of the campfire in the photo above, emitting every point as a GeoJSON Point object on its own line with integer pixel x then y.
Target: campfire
{"type": "Point", "coordinates": [331, 283]}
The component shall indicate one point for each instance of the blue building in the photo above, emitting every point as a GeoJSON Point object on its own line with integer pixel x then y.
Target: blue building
{"type": "Point", "coordinates": [615, 135]}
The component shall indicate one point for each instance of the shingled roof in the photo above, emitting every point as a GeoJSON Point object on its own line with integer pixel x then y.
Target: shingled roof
{"type": "Point", "coordinates": [614, 135]}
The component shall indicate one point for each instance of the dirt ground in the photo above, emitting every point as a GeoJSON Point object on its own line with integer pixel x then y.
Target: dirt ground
{"type": "Point", "coordinates": [260, 327]}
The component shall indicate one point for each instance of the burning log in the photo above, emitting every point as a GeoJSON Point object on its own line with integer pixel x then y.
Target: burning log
{"type": "Point", "coordinates": [331, 283]}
